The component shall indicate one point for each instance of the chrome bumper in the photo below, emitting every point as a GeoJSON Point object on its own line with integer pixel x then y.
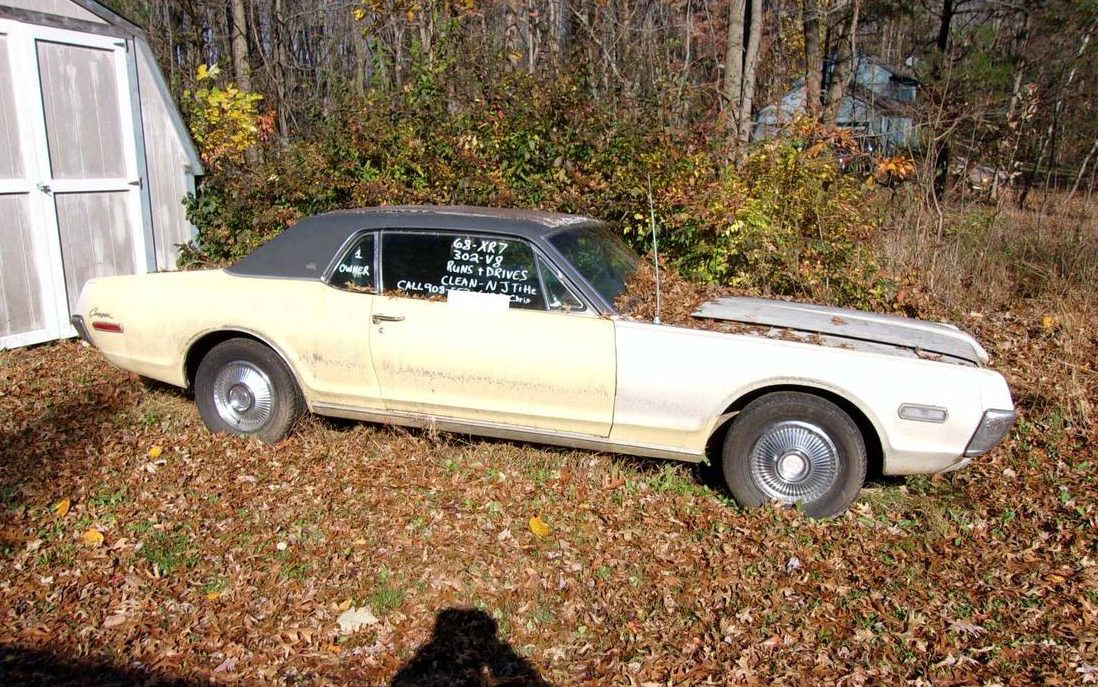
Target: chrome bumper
{"type": "Point", "coordinates": [993, 428]}
{"type": "Point", "coordinates": [78, 324]}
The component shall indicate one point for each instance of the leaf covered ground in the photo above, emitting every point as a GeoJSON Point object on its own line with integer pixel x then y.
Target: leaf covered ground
{"type": "Point", "coordinates": [135, 546]}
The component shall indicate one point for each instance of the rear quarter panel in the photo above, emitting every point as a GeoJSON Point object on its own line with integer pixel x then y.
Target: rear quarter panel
{"type": "Point", "coordinates": [163, 314]}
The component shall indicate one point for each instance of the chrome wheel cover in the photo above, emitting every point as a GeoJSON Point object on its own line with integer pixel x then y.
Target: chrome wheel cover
{"type": "Point", "coordinates": [243, 395]}
{"type": "Point", "coordinates": [794, 461]}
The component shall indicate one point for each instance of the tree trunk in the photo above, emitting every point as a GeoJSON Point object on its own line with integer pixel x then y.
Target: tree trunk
{"type": "Point", "coordinates": [278, 31]}
{"type": "Point", "coordinates": [813, 59]}
{"type": "Point", "coordinates": [944, 24]}
{"type": "Point", "coordinates": [750, 62]}
{"type": "Point", "coordinates": [562, 28]}
{"type": "Point", "coordinates": [1083, 171]}
{"type": "Point", "coordinates": [362, 53]}
{"type": "Point", "coordinates": [941, 159]}
{"type": "Point", "coordinates": [239, 41]}
{"type": "Point", "coordinates": [733, 61]}
{"type": "Point", "coordinates": [844, 67]}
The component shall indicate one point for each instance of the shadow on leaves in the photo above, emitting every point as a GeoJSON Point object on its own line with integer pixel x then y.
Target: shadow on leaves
{"type": "Point", "coordinates": [28, 667]}
{"type": "Point", "coordinates": [466, 651]}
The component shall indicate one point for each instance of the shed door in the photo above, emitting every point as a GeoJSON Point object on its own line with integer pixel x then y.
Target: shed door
{"type": "Point", "coordinates": [78, 183]}
{"type": "Point", "coordinates": [25, 296]}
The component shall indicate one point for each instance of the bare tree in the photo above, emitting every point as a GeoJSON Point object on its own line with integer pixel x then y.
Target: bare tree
{"type": "Point", "coordinates": [813, 58]}
{"type": "Point", "coordinates": [843, 65]}
{"type": "Point", "coordinates": [750, 64]}
{"type": "Point", "coordinates": [733, 59]}
{"type": "Point", "coordinates": [241, 67]}
{"type": "Point", "coordinates": [740, 65]}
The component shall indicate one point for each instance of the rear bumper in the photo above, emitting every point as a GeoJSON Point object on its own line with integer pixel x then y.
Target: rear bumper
{"type": "Point", "coordinates": [993, 428]}
{"type": "Point", "coordinates": [81, 329]}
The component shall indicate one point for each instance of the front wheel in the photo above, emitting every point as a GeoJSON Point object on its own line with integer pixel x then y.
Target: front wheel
{"type": "Point", "coordinates": [242, 387]}
{"type": "Point", "coordinates": [794, 447]}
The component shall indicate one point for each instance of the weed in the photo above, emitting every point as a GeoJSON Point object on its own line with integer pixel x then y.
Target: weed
{"type": "Point", "coordinates": [670, 480]}
{"type": "Point", "coordinates": [106, 496]}
{"type": "Point", "coordinates": [9, 496]}
{"type": "Point", "coordinates": [62, 553]}
{"type": "Point", "coordinates": [167, 551]}
{"type": "Point", "coordinates": [151, 417]}
{"type": "Point", "coordinates": [386, 597]}
{"type": "Point", "coordinates": [140, 527]}
{"type": "Point", "coordinates": [295, 571]}
{"type": "Point", "coordinates": [542, 615]}
{"type": "Point", "coordinates": [542, 475]}
{"type": "Point", "coordinates": [215, 585]}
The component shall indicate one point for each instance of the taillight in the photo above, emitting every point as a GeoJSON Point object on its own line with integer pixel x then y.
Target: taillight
{"type": "Point", "coordinates": [107, 327]}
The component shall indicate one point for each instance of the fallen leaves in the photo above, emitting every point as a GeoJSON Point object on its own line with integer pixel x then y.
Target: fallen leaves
{"type": "Point", "coordinates": [974, 577]}
{"type": "Point", "coordinates": [61, 508]}
{"type": "Point", "coordinates": [115, 620]}
{"type": "Point", "coordinates": [92, 537]}
{"type": "Point", "coordinates": [354, 619]}
{"type": "Point", "coordinates": [539, 527]}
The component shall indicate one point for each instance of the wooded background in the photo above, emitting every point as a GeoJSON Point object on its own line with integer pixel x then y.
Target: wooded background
{"type": "Point", "coordinates": [609, 107]}
{"type": "Point", "coordinates": [1007, 84]}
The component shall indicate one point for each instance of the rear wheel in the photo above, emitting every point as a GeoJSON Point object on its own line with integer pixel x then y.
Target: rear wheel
{"type": "Point", "coordinates": [242, 387]}
{"type": "Point", "coordinates": [794, 447]}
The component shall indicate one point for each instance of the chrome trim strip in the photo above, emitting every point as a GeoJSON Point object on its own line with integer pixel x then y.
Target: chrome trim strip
{"type": "Point", "coordinates": [502, 431]}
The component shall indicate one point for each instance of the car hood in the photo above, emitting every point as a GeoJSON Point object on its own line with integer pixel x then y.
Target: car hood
{"type": "Point", "coordinates": [933, 338]}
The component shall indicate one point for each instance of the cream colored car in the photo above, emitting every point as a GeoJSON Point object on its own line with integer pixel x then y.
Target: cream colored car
{"type": "Point", "coordinates": [502, 323]}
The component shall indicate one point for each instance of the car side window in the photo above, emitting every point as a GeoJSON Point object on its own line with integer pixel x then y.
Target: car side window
{"type": "Point", "coordinates": [557, 294]}
{"type": "Point", "coordinates": [355, 269]}
{"type": "Point", "coordinates": [421, 264]}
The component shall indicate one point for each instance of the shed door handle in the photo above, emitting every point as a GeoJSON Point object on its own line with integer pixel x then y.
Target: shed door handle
{"type": "Point", "coordinates": [387, 318]}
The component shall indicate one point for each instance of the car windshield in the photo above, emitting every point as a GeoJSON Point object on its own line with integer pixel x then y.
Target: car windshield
{"type": "Point", "coordinates": [599, 256]}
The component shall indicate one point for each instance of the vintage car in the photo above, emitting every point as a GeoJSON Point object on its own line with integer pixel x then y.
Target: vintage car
{"type": "Point", "coordinates": [503, 323]}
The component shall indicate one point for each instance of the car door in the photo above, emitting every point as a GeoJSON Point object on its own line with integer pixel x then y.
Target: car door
{"type": "Point", "coordinates": [341, 369]}
{"type": "Point", "coordinates": [464, 330]}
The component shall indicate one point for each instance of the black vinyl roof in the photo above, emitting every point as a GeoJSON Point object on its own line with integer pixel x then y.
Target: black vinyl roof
{"type": "Point", "coordinates": [304, 250]}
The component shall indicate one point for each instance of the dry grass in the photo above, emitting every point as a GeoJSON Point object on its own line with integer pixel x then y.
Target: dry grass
{"type": "Point", "coordinates": [991, 257]}
{"type": "Point", "coordinates": [1021, 279]}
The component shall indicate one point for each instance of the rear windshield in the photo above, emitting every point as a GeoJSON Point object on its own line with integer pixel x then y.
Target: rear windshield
{"type": "Point", "coordinates": [600, 256]}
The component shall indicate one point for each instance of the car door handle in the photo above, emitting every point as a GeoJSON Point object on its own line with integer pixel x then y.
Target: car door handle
{"type": "Point", "coordinates": [387, 318]}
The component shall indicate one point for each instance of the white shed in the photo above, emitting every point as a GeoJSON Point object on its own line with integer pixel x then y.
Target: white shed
{"type": "Point", "coordinates": [94, 161]}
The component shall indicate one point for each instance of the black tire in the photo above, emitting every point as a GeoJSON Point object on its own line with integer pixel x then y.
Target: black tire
{"type": "Point", "coordinates": [804, 443]}
{"type": "Point", "coordinates": [239, 370]}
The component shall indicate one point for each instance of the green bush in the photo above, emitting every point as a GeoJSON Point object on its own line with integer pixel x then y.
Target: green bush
{"type": "Point", "coordinates": [785, 221]}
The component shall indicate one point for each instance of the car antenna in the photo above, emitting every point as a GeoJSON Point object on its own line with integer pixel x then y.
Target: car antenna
{"type": "Point", "coordinates": [655, 248]}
